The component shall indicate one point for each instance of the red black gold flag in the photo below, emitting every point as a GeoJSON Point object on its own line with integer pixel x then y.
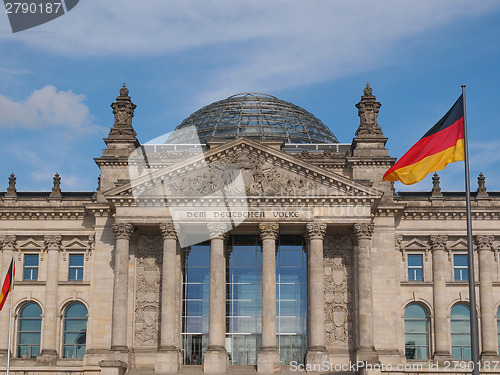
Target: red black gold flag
{"type": "Point", "coordinates": [8, 284]}
{"type": "Point", "coordinates": [441, 145]}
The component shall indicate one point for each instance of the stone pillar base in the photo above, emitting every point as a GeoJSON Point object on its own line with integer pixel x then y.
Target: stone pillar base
{"type": "Point", "coordinates": [47, 358]}
{"type": "Point", "coordinates": [216, 361]}
{"type": "Point", "coordinates": [167, 362]}
{"type": "Point", "coordinates": [489, 356]}
{"type": "Point", "coordinates": [368, 355]}
{"type": "Point", "coordinates": [110, 367]}
{"type": "Point", "coordinates": [268, 361]}
{"type": "Point", "coordinates": [315, 357]}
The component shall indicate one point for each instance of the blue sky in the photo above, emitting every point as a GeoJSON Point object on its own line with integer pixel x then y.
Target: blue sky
{"type": "Point", "coordinates": [57, 80]}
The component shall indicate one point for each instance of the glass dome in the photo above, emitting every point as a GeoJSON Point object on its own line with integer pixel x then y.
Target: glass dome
{"type": "Point", "coordinates": [252, 115]}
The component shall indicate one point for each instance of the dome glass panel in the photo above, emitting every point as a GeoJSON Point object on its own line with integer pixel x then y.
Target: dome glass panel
{"type": "Point", "coordinates": [257, 116]}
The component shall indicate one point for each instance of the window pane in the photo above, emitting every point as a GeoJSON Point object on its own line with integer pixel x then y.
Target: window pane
{"type": "Point", "coordinates": [31, 260]}
{"type": "Point", "coordinates": [31, 310]}
{"type": "Point", "coordinates": [29, 338]}
{"type": "Point", "coordinates": [30, 325]}
{"type": "Point", "coordinates": [76, 310]}
{"type": "Point", "coordinates": [460, 312]}
{"type": "Point", "coordinates": [415, 260]}
{"type": "Point", "coordinates": [460, 260]}
{"type": "Point", "coordinates": [415, 311]}
{"type": "Point", "coordinates": [76, 260]}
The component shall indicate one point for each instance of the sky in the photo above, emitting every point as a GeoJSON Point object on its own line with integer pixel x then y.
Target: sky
{"type": "Point", "coordinates": [57, 80]}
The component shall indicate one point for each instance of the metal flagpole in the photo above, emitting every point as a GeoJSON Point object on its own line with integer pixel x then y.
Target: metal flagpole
{"type": "Point", "coordinates": [474, 336]}
{"type": "Point", "coordinates": [10, 325]}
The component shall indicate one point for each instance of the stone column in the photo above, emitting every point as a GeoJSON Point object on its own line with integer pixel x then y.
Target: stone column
{"type": "Point", "coordinates": [440, 266]}
{"type": "Point", "coordinates": [316, 353]}
{"type": "Point", "coordinates": [268, 360]}
{"type": "Point", "coordinates": [123, 231]}
{"type": "Point", "coordinates": [48, 355]}
{"type": "Point", "coordinates": [489, 343]}
{"type": "Point", "coordinates": [168, 358]}
{"type": "Point", "coordinates": [216, 358]}
{"type": "Point", "coordinates": [7, 245]}
{"type": "Point", "coordinates": [364, 307]}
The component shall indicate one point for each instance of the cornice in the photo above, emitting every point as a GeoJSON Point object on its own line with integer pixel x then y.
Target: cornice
{"type": "Point", "coordinates": [49, 213]}
{"type": "Point", "coordinates": [444, 213]}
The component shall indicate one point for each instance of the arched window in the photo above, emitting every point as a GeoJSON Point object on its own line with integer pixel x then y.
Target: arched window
{"type": "Point", "coordinates": [75, 331]}
{"type": "Point", "coordinates": [30, 326]}
{"type": "Point", "coordinates": [416, 332]}
{"type": "Point", "coordinates": [460, 332]}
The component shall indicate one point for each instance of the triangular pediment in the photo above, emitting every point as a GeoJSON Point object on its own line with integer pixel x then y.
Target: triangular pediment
{"type": "Point", "coordinates": [31, 244]}
{"type": "Point", "coordinates": [242, 168]}
{"type": "Point", "coordinates": [416, 244]}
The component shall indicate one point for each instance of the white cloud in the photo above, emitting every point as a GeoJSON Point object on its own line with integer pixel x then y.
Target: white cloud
{"type": "Point", "coordinates": [47, 107]}
{"type": "Point", "coordinates": [253, 44]}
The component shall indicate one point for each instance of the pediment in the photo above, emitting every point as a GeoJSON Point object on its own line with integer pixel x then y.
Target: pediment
{"type": "Point", "coordinates": [242, 168]}
{"type": "Point", "coordinates": [75, 243]}
{"type": "Point", "coordinates": [31, 244]}
{"type": "Point", "coordinates": [460, 244]}
{"type": "Point", "coordinates": [416, 244]}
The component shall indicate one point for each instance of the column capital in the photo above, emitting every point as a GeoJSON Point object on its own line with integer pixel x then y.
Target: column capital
{"type": "Point", "coordinates": [269, 231]}
{"type": "Point", "coordinates": [315, 231]}
{"type": "Point", "coordinates": [52, 242]}
{"type": "Point", "coordinates": [438, 242]}
{"type": "Point", "coordinates": [123, 230]}
{"type": "Point", "coordinates": [168, 231]}
{"type": "Point", "coordinates": [218, 230]}
{"type": "Point", "coordinates": [484, 242]}
{"type": "Point", "coordinates": [8, 242]}
{"type": "Point", "coordinates": [363, 231]}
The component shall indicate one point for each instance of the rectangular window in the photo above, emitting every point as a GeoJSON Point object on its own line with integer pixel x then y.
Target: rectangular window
{"type": "Point", "coordinates": [415, 267]}
{"type": "Point", "coordinates": [30, 271]}
{"type": "Point", "coordinates": [460, 267]}
{"type": "Point", "coordinates": [75, 267]}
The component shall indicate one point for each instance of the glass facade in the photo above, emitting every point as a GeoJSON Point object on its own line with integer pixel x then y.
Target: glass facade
{"type": "Point", "coordinates": [30, 326]}
{"type": "Point", "coordinates": [415, 267]}
{"type": "Point", "coordinates": [291, 298]}
{"type": "Point", "coordinates": [195, 302]}
{"type": "Point", "coordinates": [75, 331]}
{"type": "Point", "coordinates": [416, 332]}
{"type": "Point", "coordinates": [460, 332]}
{"type": "Point", "coordinates": [244, 300]}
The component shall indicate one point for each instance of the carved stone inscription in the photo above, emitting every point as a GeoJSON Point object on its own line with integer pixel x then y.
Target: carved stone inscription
{"type": "Point", "coordinates": [147, 297]}
{"type": "Point", "coordinates": [338, 252]}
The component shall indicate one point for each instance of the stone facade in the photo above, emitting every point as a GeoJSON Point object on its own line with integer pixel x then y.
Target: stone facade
{"type": "Point", "coordinates": [358, 237]}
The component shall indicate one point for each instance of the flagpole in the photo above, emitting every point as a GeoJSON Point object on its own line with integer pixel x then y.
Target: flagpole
{"type": "Point", "coordinates": [470, 256]}
{"type": "Point", "coordinates": [10, 327]}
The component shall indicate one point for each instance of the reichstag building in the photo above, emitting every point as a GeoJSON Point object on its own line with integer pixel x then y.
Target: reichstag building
{"type": "Point", "coordinates": [248, 240]}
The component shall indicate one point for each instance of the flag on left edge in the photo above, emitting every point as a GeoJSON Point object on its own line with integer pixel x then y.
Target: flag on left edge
{"type": "Point", "coordinates": [8, 283]}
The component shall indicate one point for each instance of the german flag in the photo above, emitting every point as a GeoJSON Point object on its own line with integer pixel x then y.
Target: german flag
{"type": "Point", "coordinates": [8, 284]}
{"type": "Point", "coordinates": [441, 145]}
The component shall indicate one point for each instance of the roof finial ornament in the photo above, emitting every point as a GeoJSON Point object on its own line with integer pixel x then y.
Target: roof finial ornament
{"type": "Point", "coordinates": [56, 190]}
{"type": "Point", "coordinates": [124, 91]}
{"type": "Point", "coordinates": [368, 90]}
{"type": "Point", "coordinates": [11, 190]}
{"type": "Point", "coordinates": [368, 113]}
{"type": "Point", "coordinates": [436, 188]}
{"type": "Point", "coordinates": [481, 186]}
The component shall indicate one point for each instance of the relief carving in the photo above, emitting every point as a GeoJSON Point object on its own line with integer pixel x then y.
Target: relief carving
{"type": "Point", "coordinates": [244, 173]}
{"type": "Point", "coordinates": [338, 261]}
{"type": "Point", "coordinates": [147, 297]}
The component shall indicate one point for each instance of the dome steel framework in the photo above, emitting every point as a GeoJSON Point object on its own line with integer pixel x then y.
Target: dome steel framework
{"type": "Point", "coordinates": [252, 115]}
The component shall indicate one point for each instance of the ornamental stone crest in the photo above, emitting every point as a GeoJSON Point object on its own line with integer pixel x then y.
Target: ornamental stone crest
{"type": "Point", "coordinates": [147, 297]}
{"type": "Point", "coordinates": [363, 231]}
{"type": "Point", "coordinates": [368, 109]}
{"type": "Point", "coordinates": [123, 231]}
{"type": "Point", "coordinates": [218, 230]}
{"type": "Point", "coordinates": [484, 242]}
{"type": "Point", "coordinates": [168, 231]}
{"type": "Point", "coordinates": [315, 231]}
{"type": "Point", "coordinates": [269, 231]}
{"type": "Point", "coordinates": [338, 260]}
{"type": "Point", "coordinates": [438, 242]}
{"type": "Point", "coordinates": [52, 242]}
{"type": "Point", "coordinates": [8, 242]}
